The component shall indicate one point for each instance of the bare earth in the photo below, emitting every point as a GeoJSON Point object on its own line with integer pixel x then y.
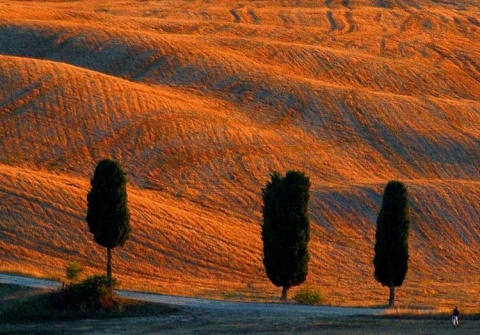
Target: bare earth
{"type": "Point", "coordinates": [201, 100]}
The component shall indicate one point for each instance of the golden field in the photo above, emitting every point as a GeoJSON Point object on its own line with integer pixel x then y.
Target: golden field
{"type": "Point", "coordinates": [201, 100]}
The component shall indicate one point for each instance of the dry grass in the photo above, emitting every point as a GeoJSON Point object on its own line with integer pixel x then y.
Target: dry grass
{"type": "Point", "coordinates": [200, 101]}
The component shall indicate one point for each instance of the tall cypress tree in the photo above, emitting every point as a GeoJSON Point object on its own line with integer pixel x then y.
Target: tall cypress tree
{"type": "Point", "coordinates": [107, 211]}
{"type": "Point", "coordinates": [286, 229]}
{"type": "Point", "coordinates": [391, 246]}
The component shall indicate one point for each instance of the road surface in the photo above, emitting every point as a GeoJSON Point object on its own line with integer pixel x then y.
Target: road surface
{"type": "Point", "coordinates": [202, 316]}
{"type": "Point", "coordinates": [209, 305]}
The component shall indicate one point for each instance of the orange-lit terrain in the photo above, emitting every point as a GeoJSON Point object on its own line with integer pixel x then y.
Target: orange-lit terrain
{"type": "Point", "coordinates": [201, 100]}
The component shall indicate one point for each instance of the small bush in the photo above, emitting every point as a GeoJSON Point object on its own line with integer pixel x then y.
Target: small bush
{"type": "Point", "coordinates": [73, 271]}
{"type": "Point", "coordinates": [91, 294]}
{"type": "Point", "coordinates": [308, 296]}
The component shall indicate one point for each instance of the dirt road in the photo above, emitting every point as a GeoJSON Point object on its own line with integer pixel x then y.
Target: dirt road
{"type": "Point", "coordinates": [200, 316]}
{"type": "Point", "coordinates": [210, 305]}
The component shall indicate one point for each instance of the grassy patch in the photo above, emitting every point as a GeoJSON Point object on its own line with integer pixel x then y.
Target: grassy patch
{"type": "Point", "coordinates": [309, 296]}
{"type": "Point", "coordinates": [427, 313]}
{"type": "Point", "coordinates": [246, 295]}
{"type": "Point", "coordinates": [21, 304]}
{"type": "Point", "coordinates": [11, 295]}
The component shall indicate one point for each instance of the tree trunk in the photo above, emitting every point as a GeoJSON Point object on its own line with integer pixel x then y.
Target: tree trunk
{"type": "Point", "coordinates": [109, 267]}
{"type": "Point", "coordinates": [284, 293]}
{"type": "Point", "coordinates": [391, 300]}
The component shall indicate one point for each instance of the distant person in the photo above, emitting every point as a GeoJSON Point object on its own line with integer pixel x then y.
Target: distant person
{"type": "Point", "coordinates": [455, 315]}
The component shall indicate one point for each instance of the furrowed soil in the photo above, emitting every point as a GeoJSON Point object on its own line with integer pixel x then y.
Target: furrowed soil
{"type": "Point", "coordinates": [201, 100]}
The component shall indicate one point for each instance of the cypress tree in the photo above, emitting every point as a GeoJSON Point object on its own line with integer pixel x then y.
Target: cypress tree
{"type": "Point", "coordinates": [286, 229]}
{"type": "Point", "coordinates": [107, 212]}
{"type": "Point", "coordinates": [391, 246]}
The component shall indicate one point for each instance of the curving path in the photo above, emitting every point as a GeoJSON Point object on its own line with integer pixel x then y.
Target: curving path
{"type": "Point", "coordinates": [206, 304]}
{"type": "Point", "coordinates": [29, 282]}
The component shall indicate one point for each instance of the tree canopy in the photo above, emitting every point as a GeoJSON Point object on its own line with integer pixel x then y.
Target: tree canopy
{"type": "Point", "coordinates": [108, 217]}
{"type": "Point", "coordinates": [391, 246]}
{"type": "Point", "coordinates": [286, 229]}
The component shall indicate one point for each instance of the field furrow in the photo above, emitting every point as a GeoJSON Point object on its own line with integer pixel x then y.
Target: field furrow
{"type": "Point", "coordinates": [201, 100]}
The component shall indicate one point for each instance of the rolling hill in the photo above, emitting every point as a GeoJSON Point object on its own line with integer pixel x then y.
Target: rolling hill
{"type": "Point", "coordinates": [201, 100]}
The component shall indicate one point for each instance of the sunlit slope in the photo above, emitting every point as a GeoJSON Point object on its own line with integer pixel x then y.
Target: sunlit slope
{"type": "Point", "coordinates": [201, 101]}
{"type": "Point", "coordinates": [187, 142]}
{"type": "Point", "coordinates": [174, 242]}
{"type": "Point", "coordinates": [180, 247]}
{"type": "Point", "coordinates": [432, 51]}
{"type": "Point", "coordinates": [169, 139]}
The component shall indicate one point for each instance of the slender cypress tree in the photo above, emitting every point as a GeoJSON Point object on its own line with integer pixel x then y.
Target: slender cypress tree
{"type": "Point", "coordinates": [391, 246]}
{"type": "Point", "coordinates": [107, 214]}
{"type": "Point", "coordinates": [286, 229]}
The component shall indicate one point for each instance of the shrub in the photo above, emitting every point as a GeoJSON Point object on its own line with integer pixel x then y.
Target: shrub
{"type": "Point", "coordinates": [91, 294]}
{"type": "Point", "coordinates": [308, 296]}
{"type": "Point", "coordinates": [74, 270]}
